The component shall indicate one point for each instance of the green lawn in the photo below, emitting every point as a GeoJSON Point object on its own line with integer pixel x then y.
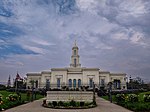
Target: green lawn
{"type": "Point", "coordinates": [8, 104]}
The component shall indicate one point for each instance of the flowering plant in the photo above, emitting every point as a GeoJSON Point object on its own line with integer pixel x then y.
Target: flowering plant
{"type": "Point", "coordinates": [147, 97]}
{"type": "Point", "coordinates": [1, 99]}
{"type": "Point", "coordinates": [12, 97]}
{"type": "Point", "coordinates": [120, 97]}
{"type": "Point", "coordinates": [133, 98]}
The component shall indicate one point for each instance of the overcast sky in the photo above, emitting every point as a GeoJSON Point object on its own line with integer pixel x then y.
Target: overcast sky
{"type": "Point", "coordinates": [36, 35]}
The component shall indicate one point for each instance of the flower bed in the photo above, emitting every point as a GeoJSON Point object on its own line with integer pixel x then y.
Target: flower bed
{"type": "Point", "coordinates": [11, 99]}
{"type": "Point", "coordinates": [69, 105]}
{"type": "Point", "coordinates": [134, 102]}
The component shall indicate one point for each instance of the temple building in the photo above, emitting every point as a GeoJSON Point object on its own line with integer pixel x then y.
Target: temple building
{"type": "Point", "coordinates": [76, 76]}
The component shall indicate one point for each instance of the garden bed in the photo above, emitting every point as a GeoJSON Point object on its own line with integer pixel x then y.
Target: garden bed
{"type": "Point", "coordinates": [69, 105]}
{"type": "Point", "coordinates": [135, 102]}
{"type": "Point", "coordinates": [11, 99]}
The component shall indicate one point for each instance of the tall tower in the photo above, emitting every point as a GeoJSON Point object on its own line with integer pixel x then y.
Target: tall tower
{"type": "Point", "coordinates": [9, 82]}
{"type": "Point", "coordinates": [75, 57]}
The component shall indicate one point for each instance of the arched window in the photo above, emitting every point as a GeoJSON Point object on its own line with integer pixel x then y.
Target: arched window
{"type": "Point", "coordinates": [75, 62]}
{"type": "Point", "coordinates": [70, 83]}
{"type": "Point", "coordinates": [74, 83]}
{"type": "Point", "coordinates": [79, 82]}
{"type": "Point", "coordinates": [91, 82]}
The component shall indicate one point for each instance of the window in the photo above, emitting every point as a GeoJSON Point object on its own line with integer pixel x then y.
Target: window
{"type": "Point", "coordinates": [102, 82]}
{"type": "Point", "coordinates": [58, 82]}
{"type": "Point", "coordinates": [36, 83]}
{"type": "Point", "coordinates": [117, 84]}
{"type": "Point", "coordinates": [47, 84]}
{"type": "Point", "coordinates": [70, 83]}
{"type": "Point", "coordinates": [75, 62]}
{"type": "Point", "coordinates": [91, 82]}
{"type": "Point", "coordinates": [74, 83]}
{"type": "Point", "coordinates": [75, 52]}
{"type": "Point", "coordinates": [79, 82]}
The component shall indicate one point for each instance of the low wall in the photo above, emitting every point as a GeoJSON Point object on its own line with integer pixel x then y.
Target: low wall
{"type": "Point", "coordinates": [69, 95]}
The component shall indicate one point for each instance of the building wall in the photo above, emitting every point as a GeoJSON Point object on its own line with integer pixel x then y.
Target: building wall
{"type": "Point", "coordinates": [85, 75]}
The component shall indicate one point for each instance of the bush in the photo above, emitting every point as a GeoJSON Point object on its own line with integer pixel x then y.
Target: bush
{"type": "Point", "coordinates": [54, 103]}
{"type": "Point", "coordinates": [120, 98]}
{"type": "Point", "coordinates": [50, 104]}
{"type": "Point", "coordinates": [146, 98]}
{"type": "Point", "coordinates": [72, 103]}
{"type": "Point", "coordinates": [60, 103]}
{"type": "Point", "coordinates": [12, 97]}
{"type": "Point", "coordinates": [66, 104]}
{"type": "Point", "coordinates": [81, 104]}
{"type": "Point", "coordinates": [133, 98]}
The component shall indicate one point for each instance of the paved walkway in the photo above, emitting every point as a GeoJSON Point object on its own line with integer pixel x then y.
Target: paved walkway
{"type": "Point", "coordinates": [103, 106]}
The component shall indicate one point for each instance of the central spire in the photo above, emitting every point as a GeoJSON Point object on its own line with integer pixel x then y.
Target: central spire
{"type": "Point", "coordinates": [75, 56]}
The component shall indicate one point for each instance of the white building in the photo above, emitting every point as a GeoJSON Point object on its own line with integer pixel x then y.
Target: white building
{"type": "Point", "coordinates": [76, 76]}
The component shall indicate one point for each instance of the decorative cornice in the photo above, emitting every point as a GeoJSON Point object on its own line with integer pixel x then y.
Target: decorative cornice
{"type": "Point", "coordinates": [34, 74]}
{"type": "Point", "coordinates": [59, 69]}
{"type": "Point", "coordinates": [118, 74]}
{"type": "Point", "coordinates": [46, 72]}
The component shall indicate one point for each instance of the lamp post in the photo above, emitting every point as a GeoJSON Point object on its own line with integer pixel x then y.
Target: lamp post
{"type": "Point", "coordinates": [94, 100]}
{"type": "Point", "coordinates": [109, 91]}
{"type": "Point", "coordinates": [32, 90]}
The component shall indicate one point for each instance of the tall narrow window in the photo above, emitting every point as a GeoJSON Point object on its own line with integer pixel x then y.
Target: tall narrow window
{"type": "Point", "coordinates": [70, 83]}
{"type": "Point", "coordinates": [36, 83]}
{"type": "Point", "coordinates": [58, 82]}
{"type": "Point", "coordinates": [74, 83]}
{"type": "Point", "coordinates": [102, 82]}
{"type": "Point", "coordinates": [75, 62]}
{"type": "Point", "coordinates": [79, 82]}
{"type": "Point", "coordinates": [75, 53]}
{"type": "Point", "coordinates": [91, 82]}
{"type": "Point", "coordinates": [47, 84]}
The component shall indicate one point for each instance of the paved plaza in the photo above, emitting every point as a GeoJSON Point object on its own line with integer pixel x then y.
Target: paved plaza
{"type": "Point", "coordinates": [103, 106]}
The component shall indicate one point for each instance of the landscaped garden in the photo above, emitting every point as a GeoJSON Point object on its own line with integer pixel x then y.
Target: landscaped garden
{"type": "Point", "coordinates": [137, 102]}
{"type": "Point", "coordinates": [12, 99]}
{"type": "Point", "coordinates": [69, 104]}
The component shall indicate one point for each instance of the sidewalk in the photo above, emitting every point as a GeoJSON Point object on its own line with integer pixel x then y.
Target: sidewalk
{"type": "Point", "coordinates": [103, 106]}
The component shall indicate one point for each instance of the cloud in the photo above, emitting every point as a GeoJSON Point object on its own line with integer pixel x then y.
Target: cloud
{"type": "Point", "coordinates": [113, 35]}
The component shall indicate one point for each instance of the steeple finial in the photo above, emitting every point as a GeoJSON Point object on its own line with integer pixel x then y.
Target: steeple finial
{"type": "Point", "coordinates": [75, 43]}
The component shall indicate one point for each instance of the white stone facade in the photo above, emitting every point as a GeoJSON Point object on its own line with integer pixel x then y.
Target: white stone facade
{"type": "Point", "coordinates": [76, 76]}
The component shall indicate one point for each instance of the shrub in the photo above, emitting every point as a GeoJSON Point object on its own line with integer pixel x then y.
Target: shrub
{"type": "Point", "coordinates": [81, 104]}
{"type": "Point", "coordinates": [66, 104]}
{"type": "Point", "coordinates": [50, 104]}
{"type": "Point", "coordinates": [77, 104]}
{"type": "Point", "coordinates": [60, 103]}
{"type": "Point", "coordinates": [12, 97]}
{"type": "Point", "coordinates": [120, 98]}
{"type": "Point", "coordinates": [146, 98]}
{"type": "Point", "coordinates": [72, 103]}
{"type": "Point", "coordinates": [54, 103]}
{"type": "Point", "coordinates": [133, 98]}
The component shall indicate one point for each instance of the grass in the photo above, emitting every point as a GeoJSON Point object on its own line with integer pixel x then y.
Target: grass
{"type": "Point", "coordinates": [9, 104]}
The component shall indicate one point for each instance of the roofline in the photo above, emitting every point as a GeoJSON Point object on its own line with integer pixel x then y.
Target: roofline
{"type": "Point", "coordinates": [33, 74]}
{"type": "Point", "coordinates": [58, 69]}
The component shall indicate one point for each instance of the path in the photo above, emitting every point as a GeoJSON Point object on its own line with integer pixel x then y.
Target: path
{"type": "Point", "coordinates": [103, 106]}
